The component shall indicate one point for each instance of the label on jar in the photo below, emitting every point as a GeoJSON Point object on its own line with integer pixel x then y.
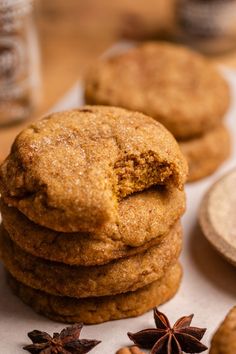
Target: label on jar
{"type": "Point", "coordinates": [17, 59]}
{"type": "Point", "coordinates": [6, 5]}
{"type": "Point", "coordinates": [14, 74]}
{"type": "Point", "coordinates": [209, 18]}
{"type": "Point", "coordinates": [12, 14]}
{"type": "Point", "coordinates": [12, 59]}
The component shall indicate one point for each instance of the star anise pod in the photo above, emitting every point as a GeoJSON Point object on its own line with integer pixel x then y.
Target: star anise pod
{"type": "Point", "coordinates": [166, 340]}
{"type": "Point", "coordinates": [65, 342]}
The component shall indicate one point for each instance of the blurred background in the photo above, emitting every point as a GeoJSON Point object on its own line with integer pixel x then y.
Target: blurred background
{"type": "Point", "coordinates": [74, 32]}
{"type": "Point", "coordinates": [69, 35]}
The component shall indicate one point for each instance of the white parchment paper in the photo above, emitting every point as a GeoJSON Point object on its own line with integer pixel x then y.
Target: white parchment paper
{"type": "Point", "coordinates": [209, 284]}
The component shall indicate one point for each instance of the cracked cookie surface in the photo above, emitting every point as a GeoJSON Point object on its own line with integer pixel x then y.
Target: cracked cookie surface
{"type": "Point", "coordinates": [176, 86]}
{"type": "Point", "coordinates": [126, 274]}
{"type": "Point", "coordinates": [68, 171]}
{"type": "Point", "coordinates": [144, 220]}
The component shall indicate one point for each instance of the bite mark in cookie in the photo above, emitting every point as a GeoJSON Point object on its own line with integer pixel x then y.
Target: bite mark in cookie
{"type": "Point", "coordinates": [68, 171]}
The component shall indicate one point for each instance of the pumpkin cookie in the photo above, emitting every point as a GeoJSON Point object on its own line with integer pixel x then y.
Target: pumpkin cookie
{"type": "Point", "coordinates": [100, 309]}
{"type": "Point", "coordinates": [224, 340]}
{"type": "Point", "coordinates": [126, 274]}
{"type": "Point", "coordinates": [145, 219]}
{"type": "Point", "coordinates": [207, 152]}
{"type": "Point", "coordinates": [153, 78]}
{"type": "Point", "coordinates": [68, 171]}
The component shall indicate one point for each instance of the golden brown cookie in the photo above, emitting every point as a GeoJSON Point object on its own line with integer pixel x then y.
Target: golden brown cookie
{"type": "Point", "coordinates": [126, 274]}
{"type": "Point", "coordinates": [145, 219]}
{"type": "Point", "coordinates": [100, 309]}
{"type": "Point", "coordinates": [207, 152]}
{"type": "Point", "coordinates": [224, 340]}
{"type": "Point", "coordinates": [176, 86]}
{"type": "Point", "coordinates": [68, 171]}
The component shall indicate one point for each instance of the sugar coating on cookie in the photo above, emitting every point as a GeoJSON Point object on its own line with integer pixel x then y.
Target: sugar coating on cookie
{"type": "Point", "coordinates": [100, 309]}
{"type": "Point", "coordinates": [144, 220]}
{"type": "Point", "coordinates": [173, 84]}
{"type": "Point", "coordinates": [126, 274]}
{"type": "Point", "coordinates": [69, 170]}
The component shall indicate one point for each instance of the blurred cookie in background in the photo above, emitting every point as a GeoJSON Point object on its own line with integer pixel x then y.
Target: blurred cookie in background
{"type": "Point", "coordinates": [206, 152]}
{"type": "Point", "coordinates": [174, 85]}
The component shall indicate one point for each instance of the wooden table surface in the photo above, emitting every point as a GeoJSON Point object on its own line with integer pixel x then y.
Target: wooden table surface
{"type": "Point", "coordinates": [73, 33]}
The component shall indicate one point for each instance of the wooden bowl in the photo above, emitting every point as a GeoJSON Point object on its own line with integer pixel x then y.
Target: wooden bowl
{"type": "Point", "coordinates": [217, 216]}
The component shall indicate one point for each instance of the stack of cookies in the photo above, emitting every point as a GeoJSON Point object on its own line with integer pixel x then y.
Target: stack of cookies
{"type": "Point", "coordinates": [91, 201]}
{"type": "Point", "coordinates": [176, 86]}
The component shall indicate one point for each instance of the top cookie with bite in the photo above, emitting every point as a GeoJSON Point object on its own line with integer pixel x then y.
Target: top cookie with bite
{"type": "Point", "coordinates": [69, 170]}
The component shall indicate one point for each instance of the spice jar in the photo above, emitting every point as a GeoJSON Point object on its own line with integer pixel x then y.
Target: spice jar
{"type": "Point", "coordinates": [208, 25]}
{"type": "Point", "coordinates": [19, 61]}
